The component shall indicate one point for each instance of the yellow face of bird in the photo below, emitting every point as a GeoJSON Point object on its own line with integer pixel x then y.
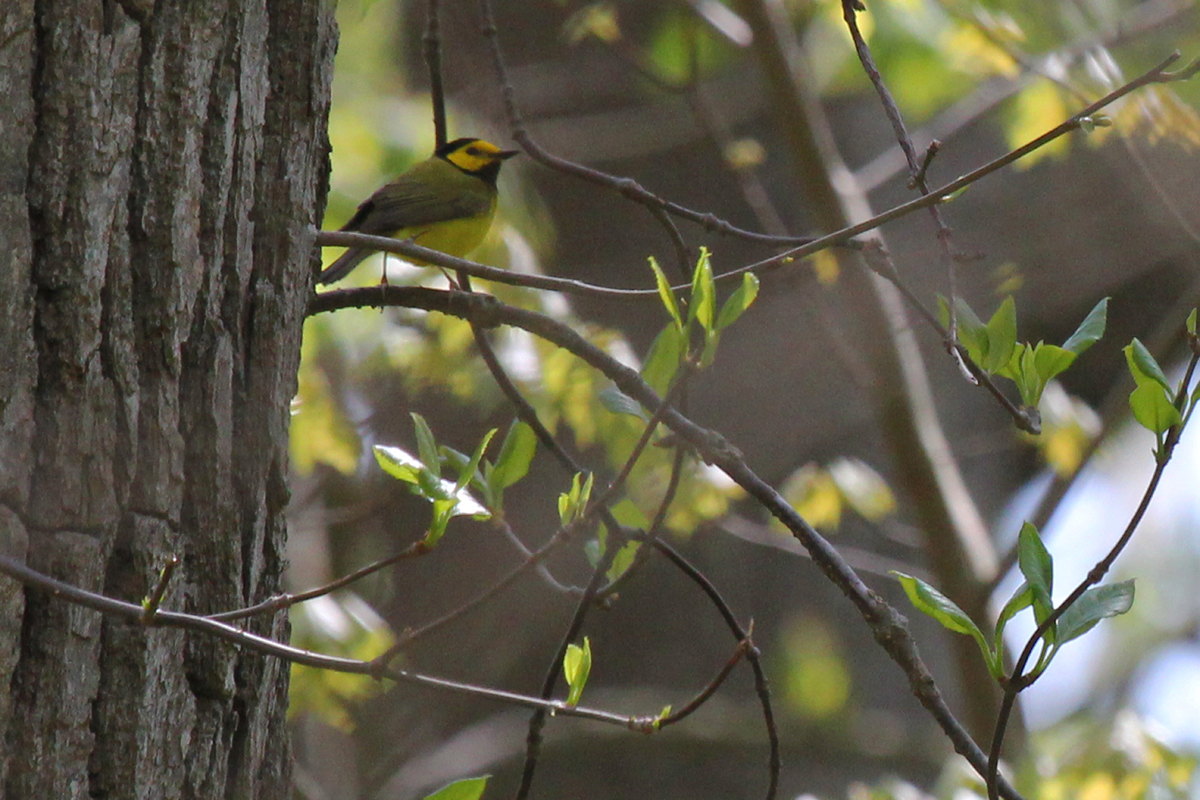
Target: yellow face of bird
{"type": "Point", "coordinates": [476, 155]}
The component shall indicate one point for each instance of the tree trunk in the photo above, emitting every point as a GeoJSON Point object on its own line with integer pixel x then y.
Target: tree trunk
{"type": "Point", "coordinates": [161, 166]}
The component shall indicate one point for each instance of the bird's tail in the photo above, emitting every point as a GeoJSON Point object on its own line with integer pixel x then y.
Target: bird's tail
{"type": "Point", "coordinates": [341, 268]}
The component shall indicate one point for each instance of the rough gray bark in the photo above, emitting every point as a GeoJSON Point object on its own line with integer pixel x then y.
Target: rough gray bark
{"type": "Point", "coordinates": [160, 168]}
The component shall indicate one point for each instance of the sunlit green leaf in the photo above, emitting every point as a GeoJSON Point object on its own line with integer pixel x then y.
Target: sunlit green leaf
{"type": "Point", "coordinates": [1152, 408]}
{"type": "Point", "coordinates": [702, 308]}
{"type": "Point", "coordinates": [623, 560]}
{"type": "Point", "coordinates": [577, 666]}
{"type": "Point", "coordinates": [516, 454]}
{"type": "Point", "coordinates": [573, 503]}
{"type": "Point", "coordinates": [466, 789]}
{"type": "Point", "coordinates": [398, 463]}
{"type": "Point", "coordinates": [443, 493]}
{"type": "Point", "coordinates": [664, 359]}
{"type": "Point", "coordinates": [1050, 361]}
{"type": "Point", "coordinates": [738, 302]}
{"type": "Point", "coordinates": [426, 445]}
{"type": "Point", "coordinates": [443, 511]}
{"type": "Point", "coordinates": [1001, 336]}
{"type": "Point", "coordinates": [709, 353]}
{"type": "Point", "coordinates": [1028, 381]}
{"type": "Point", "coordinates": [665, 294]}
{"type": "Point", "coordinates": [468, 472]}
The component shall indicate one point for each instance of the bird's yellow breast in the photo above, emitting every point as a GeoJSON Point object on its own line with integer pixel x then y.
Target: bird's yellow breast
{"type": "Point", "coordinates": [456, 237]}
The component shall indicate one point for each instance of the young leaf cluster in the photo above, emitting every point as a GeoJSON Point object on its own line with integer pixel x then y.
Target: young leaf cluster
{"type": "Point", "coordinates": [1156, 405]}
{"type": "Point", "coordinates": [993, 346]}
{"type": "Point", "coordinates": [573, 503]}
{"type": "Point", "coordinates": [452, 498]}
{"type": "Point", "coordinates": [1037, 567]}
{"type": "Point", "coordinates": [673, 344]}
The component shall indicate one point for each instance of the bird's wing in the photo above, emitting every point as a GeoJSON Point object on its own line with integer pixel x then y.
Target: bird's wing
{"type": "Point", "coordinates": [409, 202]}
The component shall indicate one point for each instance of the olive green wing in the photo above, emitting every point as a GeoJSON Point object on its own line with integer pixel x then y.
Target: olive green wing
{"type": "Point", "coordinates": [429, 193]}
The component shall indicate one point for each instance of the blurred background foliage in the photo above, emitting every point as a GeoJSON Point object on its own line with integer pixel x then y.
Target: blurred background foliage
{"type": "Point", "coordinates": [669, 92]}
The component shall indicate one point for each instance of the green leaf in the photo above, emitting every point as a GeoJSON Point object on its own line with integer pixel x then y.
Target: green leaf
{"type": "Point", "coordinates": [972, 333]}
{"type": "Point", "coordinates": [405, 467]}
{"type": "Point", "coordinates": [1191, 322]}
{"type": "Point", "coordinates": [577, 666]}
{"type": "Point", "coordinates": [1051, 361]}
{"type": "Point", "coordinates": [1022, 599]}
{"type": "Point", "coordinates": [466, 789]}
{"type": "Point", "coordinates": [618, 402]}
{"type": "Point", "coordinates": [739, 301]}
{"type": "Point", "coordinates": [1097, 603]}
{"type": "Point", "coordinates": [468, 471]}
{"type": "Point", "coordinates": [929, 600]}
{"type": "Point", "coordinates": [426, 445]}
{"type": "Point", "coordinates": [399, 464]}
{"type": "Point", "coordinates": [665, 294]}
{"type": "Point", "coordinates": [664, 358]}
{"type": "Point", "coordinates": [1090, 331]}
{"type": "Point", "coordinates": [443, 512]}
{"type": "Point", "coordinates": [516, 454]}
{"type": "Point", "coordinates": [704, 293]}
{"type": "Point", "coordinates": [709, 353]}
{"type": "Point", "coordinates": [1026, 375]}
{"type": "Point", "coordinates": [1142, 365]}
{"type": "Point", "coordinates": [585, 493]}
{"type": "Point", "coordinates": [623, 560]}
{"type": "Point", "coordinates": [1152, 408]}
{"type": "Point", "coordinates": [1038, 568]}
{"type": "Point", "coordinates": [1001, 336]}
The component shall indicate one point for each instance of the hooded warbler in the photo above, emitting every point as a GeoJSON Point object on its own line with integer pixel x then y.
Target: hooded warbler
{"type": "Point", "coordinates": [446, 203]}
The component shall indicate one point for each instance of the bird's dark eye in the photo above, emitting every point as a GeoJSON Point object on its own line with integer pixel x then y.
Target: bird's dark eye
{"type": "Point", "coordinates": [473, 151]}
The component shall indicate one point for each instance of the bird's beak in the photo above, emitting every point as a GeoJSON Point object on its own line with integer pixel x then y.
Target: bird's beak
{"type": "Point", "coordinates": [504, 155]}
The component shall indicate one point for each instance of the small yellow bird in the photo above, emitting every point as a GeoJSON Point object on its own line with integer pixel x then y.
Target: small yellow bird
{"type": "Point", "coordinates": [446, 203]}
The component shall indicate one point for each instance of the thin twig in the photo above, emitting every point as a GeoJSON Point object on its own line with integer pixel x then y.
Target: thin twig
{"type": "Point", "coordinates": [761, 687]}
{"type": "Point", "coordinates": [1157, 74]}
{"type": "Point", "coordinates": [288, 599]}
{"type": "Point", "coordinates": [433, 60]}
{"type": "Point", "coordinates": [626, 187]}
{"type": "Point", "coordinates": [294, 655]}
{"type": "Point", "coordinates": [708, 691]}
{"type": "Point", "coordinates": [879, 262]}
